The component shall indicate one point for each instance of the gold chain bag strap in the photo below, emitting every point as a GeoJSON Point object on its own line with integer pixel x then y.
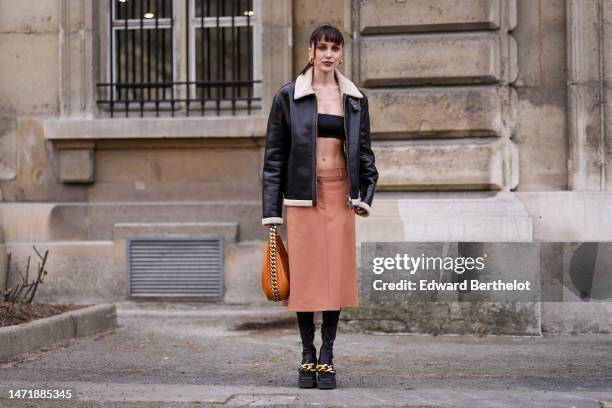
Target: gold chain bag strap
{"type": "Point", "coordinates": [275, 268]}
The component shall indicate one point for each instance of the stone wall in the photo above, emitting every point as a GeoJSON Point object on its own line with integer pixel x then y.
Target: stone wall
{"type": "Point", "coordinates": [489, 122]}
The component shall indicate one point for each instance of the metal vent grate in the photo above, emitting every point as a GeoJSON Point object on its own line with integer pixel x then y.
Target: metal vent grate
{"type": "Point", "coordinates": [175, 266]}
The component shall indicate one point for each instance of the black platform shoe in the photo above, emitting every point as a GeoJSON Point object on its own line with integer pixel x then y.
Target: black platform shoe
{"type": "Point", "coordinates": [307, 377]}
{"type": "Point", "coordinates": [326, 373]}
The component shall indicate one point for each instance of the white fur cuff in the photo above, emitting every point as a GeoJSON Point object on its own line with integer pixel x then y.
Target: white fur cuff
{"type": "Point", "coordinates": [366, 207]}
{"type": "Point", "coordinates": [272, 220]}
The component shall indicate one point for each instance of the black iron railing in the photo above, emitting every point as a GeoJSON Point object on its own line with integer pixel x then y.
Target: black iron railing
{"type": "Point", "coordinates": [144, 44]}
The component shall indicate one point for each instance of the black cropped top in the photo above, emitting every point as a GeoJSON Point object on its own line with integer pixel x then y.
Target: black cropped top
{"type": "Point", "coordinates": [330, 126]}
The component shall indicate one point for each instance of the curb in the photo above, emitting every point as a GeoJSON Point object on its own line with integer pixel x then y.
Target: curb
{"type": "Point", "coordinates": [24, 338]}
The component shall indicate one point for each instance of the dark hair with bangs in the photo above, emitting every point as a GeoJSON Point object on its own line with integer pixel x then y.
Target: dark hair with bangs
{"type": "Point", "coordinates": [325, 32]}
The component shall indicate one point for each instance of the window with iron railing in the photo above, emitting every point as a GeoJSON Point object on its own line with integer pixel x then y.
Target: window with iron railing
{"type": "Point", "coordinates": [181, 58]}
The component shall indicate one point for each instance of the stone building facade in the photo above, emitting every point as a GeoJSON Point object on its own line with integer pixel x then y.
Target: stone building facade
{"type": "Point", "coordinates": [490, 122]}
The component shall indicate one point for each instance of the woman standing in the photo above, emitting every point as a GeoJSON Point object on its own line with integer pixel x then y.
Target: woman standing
{"type": "Point", "coordinates": [319, 164]}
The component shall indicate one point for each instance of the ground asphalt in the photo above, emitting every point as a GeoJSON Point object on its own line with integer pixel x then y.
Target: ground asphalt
{"type": "Point", "coordinates": [166, 354]}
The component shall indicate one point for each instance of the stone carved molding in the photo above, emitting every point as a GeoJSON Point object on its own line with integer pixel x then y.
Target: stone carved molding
{"type": "Point", "coordinates": [586, 90]}
{"type": "Point", "coordinates": [76, 61]}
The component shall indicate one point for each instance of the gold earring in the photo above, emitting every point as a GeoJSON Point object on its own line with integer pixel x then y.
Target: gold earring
{"type": "Point", "coordinates": [341, 60]}
{"type": "Point", "coordinates": [310, 60]}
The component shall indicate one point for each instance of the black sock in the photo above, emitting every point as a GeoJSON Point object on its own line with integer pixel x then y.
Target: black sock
{"type": "Point", "coordinates": [305, 318]}
{"type": "Point", "coordinates": [330, 318]}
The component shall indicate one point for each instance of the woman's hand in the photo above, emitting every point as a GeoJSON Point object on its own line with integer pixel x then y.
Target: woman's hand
{"type": "Point", "coordinates": [360, 211]}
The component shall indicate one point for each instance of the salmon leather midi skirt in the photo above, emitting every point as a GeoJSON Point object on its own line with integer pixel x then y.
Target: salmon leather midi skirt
{"type": "Point", "coordinates": [321, 248]}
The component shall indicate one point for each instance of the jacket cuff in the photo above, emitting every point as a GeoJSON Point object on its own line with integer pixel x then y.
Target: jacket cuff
{"type": "Point", "coordinates": [366, 207]}
{"type": "Point", "coordinates": [272, 220]}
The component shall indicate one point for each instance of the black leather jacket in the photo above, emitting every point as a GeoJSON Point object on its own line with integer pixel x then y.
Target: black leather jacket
{"type": "Point", "coordinates": [289, 168]}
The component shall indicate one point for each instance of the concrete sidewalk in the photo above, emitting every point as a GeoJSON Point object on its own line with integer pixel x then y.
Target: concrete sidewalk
{"type": "Point", "coordinates": [190, 355]}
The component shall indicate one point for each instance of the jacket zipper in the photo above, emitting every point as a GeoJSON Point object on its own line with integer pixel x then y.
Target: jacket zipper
{"type": "Point", "coordinates": [314, 153]}
{"type": "Point", "coordinates": [349, 203]}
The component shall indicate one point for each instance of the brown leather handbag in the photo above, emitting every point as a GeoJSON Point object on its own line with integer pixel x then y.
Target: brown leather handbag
{"type": "Point", "coordinates": [275, 268]}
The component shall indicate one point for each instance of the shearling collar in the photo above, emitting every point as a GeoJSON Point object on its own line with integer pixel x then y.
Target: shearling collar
{"type": "Point", "coordinates": [303, 85]}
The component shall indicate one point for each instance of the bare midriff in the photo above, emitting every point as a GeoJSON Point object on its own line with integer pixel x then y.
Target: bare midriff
{"type": "Point", "coordinates": [330, 153]}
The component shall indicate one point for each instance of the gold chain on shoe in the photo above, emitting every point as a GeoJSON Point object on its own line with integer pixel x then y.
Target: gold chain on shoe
{"type": "Point", "coordinates": [308, 367]}
{"type": "Point", "coordinates": [326, 368]}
